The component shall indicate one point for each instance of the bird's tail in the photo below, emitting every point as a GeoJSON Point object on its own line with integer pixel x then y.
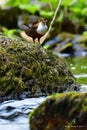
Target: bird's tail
{"type": "Point", "coordinates": [24, 27]}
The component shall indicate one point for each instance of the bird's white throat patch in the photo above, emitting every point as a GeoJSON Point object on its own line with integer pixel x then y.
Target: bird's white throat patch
{"type": "Point", "coordinates": [42, 28]}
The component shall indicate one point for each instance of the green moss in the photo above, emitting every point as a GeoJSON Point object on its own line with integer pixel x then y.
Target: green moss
{"type": "Point", "coordinates": [60, 110]}
{"type": "Point", "coordinates": [26, 67]}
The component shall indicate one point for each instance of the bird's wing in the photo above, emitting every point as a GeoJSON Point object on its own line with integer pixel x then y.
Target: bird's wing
{"type": "Point", "coordinates": [30, 31]}
{"type": "Point", "coordinates": [24, 27]}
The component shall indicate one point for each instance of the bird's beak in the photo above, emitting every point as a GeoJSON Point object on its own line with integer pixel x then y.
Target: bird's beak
{"type": "Point", "coordinates": [45, 21]}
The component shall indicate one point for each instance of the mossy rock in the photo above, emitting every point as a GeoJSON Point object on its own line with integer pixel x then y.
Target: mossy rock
{"type": "Point", "coordinates": [28, 70]}
{"type": "Point", "coordinates": [63, 36]}
{"type": "Point", "coordinates": [82, 39]}
{"type": "Point", "coordinates": [66, 111]}
{"type": "Point", "coordinates": [70, 43]}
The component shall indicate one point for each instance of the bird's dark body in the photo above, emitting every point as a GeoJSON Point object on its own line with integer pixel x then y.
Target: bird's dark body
{"type": "Point", "coordinates": [31, 31]}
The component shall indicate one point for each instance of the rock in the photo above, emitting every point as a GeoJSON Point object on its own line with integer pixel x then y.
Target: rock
{"type": "Point", "coordinates": [73, 44]}
{"type": "Point", "coordinates": [66, 111]}
{"type": "Point", "coordinates": [82, 39]}
{"type": "Point", "coordinates": [28, 70]}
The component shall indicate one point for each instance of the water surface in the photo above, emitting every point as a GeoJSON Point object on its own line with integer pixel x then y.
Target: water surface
{"type": "Point", "coordinates": [14, 113]}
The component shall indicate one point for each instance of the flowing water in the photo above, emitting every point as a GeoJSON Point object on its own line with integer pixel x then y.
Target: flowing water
{"type": "Point", "coordinates": [14, 113]}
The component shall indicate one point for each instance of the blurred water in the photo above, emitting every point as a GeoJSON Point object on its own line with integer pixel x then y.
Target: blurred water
{"type": "Point", "coordinates": [14, 113]}
{"type": "Point", "coordinates": [83, 88]}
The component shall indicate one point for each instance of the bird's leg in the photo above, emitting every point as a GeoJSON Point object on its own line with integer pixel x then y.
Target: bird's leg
{"type": "Point", "coordinates": [39, 44]}
{"type": "Point", "coordinates": [39, 40]}
{"type": "Point", "coordinates": [34, 41]}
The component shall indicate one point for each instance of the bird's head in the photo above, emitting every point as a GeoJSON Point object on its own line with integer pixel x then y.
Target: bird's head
{"type": "Point", "coordinates": [43, 21]}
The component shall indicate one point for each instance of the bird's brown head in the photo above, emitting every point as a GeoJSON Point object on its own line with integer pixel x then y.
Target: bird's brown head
{"type": "Point", "coordinates": [43, 20]}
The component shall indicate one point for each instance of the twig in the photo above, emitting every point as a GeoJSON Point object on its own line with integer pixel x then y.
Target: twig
{"type": "Point", "coordinates": [53, 19]}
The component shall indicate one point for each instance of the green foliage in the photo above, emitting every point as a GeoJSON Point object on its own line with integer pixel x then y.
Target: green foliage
{"type": "Point", "coordinates": [66, 3]}
{"type": "Point", "coordinates": [46, 14]}
{"type": "Point", "coordinates": [23, 5]}
{"type": "Point", "coordinates": [7, 32]}
{"type": "Point", "coordinates": [15, 3]}
{"type": "Point", "coordinates": [29, 7]}
{"type": "Point", "coordinates": [85, 33]}
{"type": "Point", "coordinates": [78, 7]}
{"type": "Point", "coordinates": [84, 12]}
{"type": "Point", "coordinates": [74, 10]}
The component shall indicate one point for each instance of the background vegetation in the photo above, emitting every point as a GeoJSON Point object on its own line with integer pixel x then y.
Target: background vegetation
{"type": "Point", "coordinates": [72, 16]}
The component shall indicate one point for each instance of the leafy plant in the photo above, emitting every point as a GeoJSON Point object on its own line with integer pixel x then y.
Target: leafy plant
{"type": "Point", "coordinates": [74, 10]}
{"type": "Point", "coordinates": [16, 3]}
{"type": "Point", "coordinates": [23, 5]}
{"type": "Point", "coordinates": [7, 32]}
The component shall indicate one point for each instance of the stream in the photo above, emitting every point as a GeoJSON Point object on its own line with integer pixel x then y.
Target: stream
{"type": "Point", "coordinates": [14, 113]}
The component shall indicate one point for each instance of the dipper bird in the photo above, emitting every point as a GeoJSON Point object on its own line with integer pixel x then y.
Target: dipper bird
{"type": "Point", "coordinates": [36, 30]}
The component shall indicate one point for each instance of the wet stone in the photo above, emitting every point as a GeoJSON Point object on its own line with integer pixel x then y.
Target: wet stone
{"type": "Point", "coordinates": [29, 70]}
{"type": "Point", "coordinates": [65, 111]}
